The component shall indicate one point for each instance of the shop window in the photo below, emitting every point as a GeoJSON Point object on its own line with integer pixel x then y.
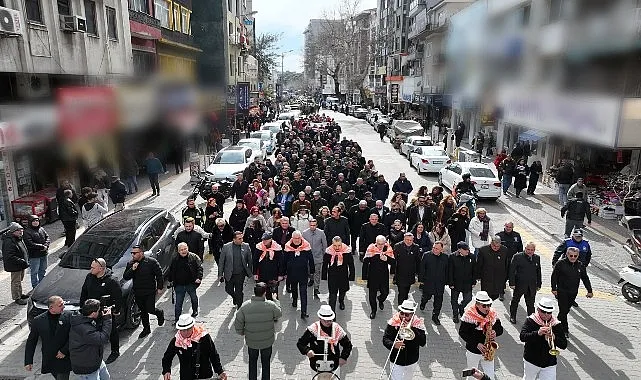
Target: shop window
{"type": "Point", "coordinates": [112, 32]}
{"type": "Point", "coordinates": [64, 7]}
{"type": "Point", "coordinates": [162, 12]}
{"type": "Point", "coordinates": [139, 6]}
{"type": "Point", "coordinates": [90, 15]}
{"type": "Point", "coordinates": [34, 12]}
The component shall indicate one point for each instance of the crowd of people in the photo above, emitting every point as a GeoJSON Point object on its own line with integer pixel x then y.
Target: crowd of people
{"type": "Point", "coordinates": [305, 218]}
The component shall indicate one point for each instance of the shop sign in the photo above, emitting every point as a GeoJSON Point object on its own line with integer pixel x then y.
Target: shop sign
{"type": "Point", "coordinates": [422, 99]}
{"type": "Point", "coordinates": [243, 101]}
{"type": "Point", "coordinates": [407, 98]}
{"type": "Point", "coordinates": [592, 119]}
{"type": "Point", "coordinates": [488, 119]}
{"type": "Point", "coordinates": [86, 111]}
{"type": "Point", "coordinates": [8, 175]}
{"type": "Point", "coordinates": [394, 93]}
{"type": "Point", "coordinates": [416, 98]}
{"type": "Point", "coordinates": [380, 89]}
{"type": "Point", "coordinates": [231, 95]}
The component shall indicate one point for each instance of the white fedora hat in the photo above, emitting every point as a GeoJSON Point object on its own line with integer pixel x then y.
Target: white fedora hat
{"type": "Point", "coordinates": [325, 312]}
{"type": "Point", "coordinates": [408, 306]}
{"type": "Point", "coordinates": [482, 298]}
{"type": "Point", "coordinates": [545, 304]}
{"type": "Point", "coordinates": [185, 322]}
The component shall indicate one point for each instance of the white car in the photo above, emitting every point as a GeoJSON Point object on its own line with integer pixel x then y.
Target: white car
{"type": "Point", "coordinates": [485, 180]}
{"type": "Point", "coordinates": [360, 113]}
{"type": "Point", "coordinates": [412, 142]}
{"type": "Point", "coordinates": [273, 126]}
{"type": "Point", "coordinates": [371, 115]}
{"type": "Point", "coordinates": [429, 159]}
{"type": "Point", "coordinates": [268, 139]}
{"type": "Point", "coordinates": [229, 162]}
{"type": "Point", "coordinates": [255, 144]}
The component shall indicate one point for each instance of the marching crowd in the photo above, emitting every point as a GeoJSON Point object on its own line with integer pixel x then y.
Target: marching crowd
{"type": "Point", "coordinates": [311, 215]}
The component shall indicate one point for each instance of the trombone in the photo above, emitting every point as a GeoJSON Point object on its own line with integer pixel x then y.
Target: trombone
{"type": "Point", "coordinates": [404, 333]}
{"type": "Point", "coordinates": [550, 339]}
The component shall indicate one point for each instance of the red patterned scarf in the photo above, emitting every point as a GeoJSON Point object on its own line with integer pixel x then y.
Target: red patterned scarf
{"type": "Point", "coordinates": [417, 322]}
{"type": "Point", "coordinates": [337, 254]}
{"type": "Point", "coordinates": [537, 318]}
{"type": "Point", "coordinates": [337, 333]}
{"type": "Point", "coordinates": [374, 250]}
{"type": "Point", "coordinates": [297, 250]}
{"type": "Point", "coordinates": [261, 247]}
{"type": "Point", "coordinates": [197, 333]}
{"type": "Point", "coordinates": [472, 315]}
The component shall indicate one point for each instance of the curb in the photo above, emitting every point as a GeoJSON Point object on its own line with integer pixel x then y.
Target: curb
{"type": "Point", "coordinates": [13, 329]}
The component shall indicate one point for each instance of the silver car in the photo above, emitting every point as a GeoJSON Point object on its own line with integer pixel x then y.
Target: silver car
{"type": "Point", "coordinates": [231, 161]}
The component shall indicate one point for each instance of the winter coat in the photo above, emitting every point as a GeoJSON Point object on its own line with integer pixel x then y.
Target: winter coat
{"type": "Point", "coordinates": [396, 236]}
{"type": "Point", "coordinates": [299, 268]}
{"type": "Point", "coordinates": [566, 276]}
{"type": "Point", "coordinates": [476, 227]}
{"type": "Point", "coordinates": [256, 319]}
{"type": "Point", "coordinates": [585, 251]}
{"type": "Point", "coordinates": [96, 288]}
{"type": "Point", "coordinates": [376, 271]}
{"type": "Point", "coordinates": [197, 213]}
{"type": "Point", "coordinates": [86, 343]}
{"type": "Point", "coordinates": [575, 189]}
{"type": "Point", "coordinates": [520, 176]}
{"type": "Point", "coordinates": [37, 241]}
{"type": "Point", "coordinates": [445, 212]}
{"type": "Point", "coordinates": [52, 342]}
{"type": "Point", "coordinates": [226, 260]}
{"type": "Point", "coordinates": [577, 209]}
{"type": "Point", "coordinates": [445, 239]}
{"type": "Point", "coordinates": [281, 236]}
{"type": "Point", "coordinates": [260, 218]}
{"type": "Point", "coordinates": [299, 222]}
{"type": "Point", "coordinates": [238, 218]}
{"type": "Point", "coordinates": [525, 272]}
{"type": "Point", "coordinates": [392, 216]}
{"type": "Point", "coordinates": [368, 234]}
{"type": "Point", "coordinates": [537, 349]}
{"type": "Point", "coordinates": [380, 191]}
{"type": "Point", "coordinates": [194, 270]}
{"type": "Point", "coordinates": [508, 166]}
{"type": "Point", "coordinates": [334, 227]}
{"type": "Point", "coordinates": [14, 253]}
{"type": "Point", "coordinates": [457, 227]}
{"type": "Point", "coordinates": [460, 272]}
{"type": "Point", "coordinates": [154, 166]}
{"type": "Point", "coordinates": [357, 218]}
{"type": "Point", "coordinates": [424, 242]}
{"type": "Point", "coordinates": [117, 192]}
{"type": "Point", "coordinates": [472, 334]}
{"type": "Point", "coordinates": [147, 277]}
{"type": "Point", "coordinates": [565, 175]}
{"type": "Point", "coordinates": [433, 273]}
{"type": "Point", "coordinates": [413, 217]}
{"type": "Point", "coordinates": [512, 241]}
{"type": "Point", "coordinates": [92, 213]}
{"type": "Point", "coordinates": [268, 269]}
{"type": "Point", "coordinates": [382, 212]}
{"type": "Point", "coordinates": [402, 186]}
{"type": "Point", "coordinates": [407, 264]}
{"type": "Point", "coordinates": [208, 358]}
{"type": "Point", "coordinates": [67, 211]}
{"type": "Point", "coordinates": [410, 354]}
{"type": "Point", "coordinates": [220, 238]}
{"type": "Point", "coordinates": [491, 268]}
{"type": "Point", "coordinates": [338, 276]}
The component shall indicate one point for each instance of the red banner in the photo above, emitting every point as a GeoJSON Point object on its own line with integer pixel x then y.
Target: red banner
{"type": "Point", "coordinates": [86, 112]}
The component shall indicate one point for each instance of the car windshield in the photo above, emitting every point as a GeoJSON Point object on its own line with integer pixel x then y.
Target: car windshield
{"type": "Point", "coordinates": [481, 172]}
{"type": "Point", "coordinates": [229, 158]}
{"type": "Point", "coordinates": [423, 142]}
{"type": "Point", "coordinates": [110, 245]}
{"type": "Point", "coordinates": [250, 144]}
{"type": "Point", "coordinates": [258, 135]}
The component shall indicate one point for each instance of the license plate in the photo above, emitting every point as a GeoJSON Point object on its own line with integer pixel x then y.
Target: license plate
{"type": "Point", "coordinates": [485, 186]}
{"type": "Point", "coordinates": [437, 162]}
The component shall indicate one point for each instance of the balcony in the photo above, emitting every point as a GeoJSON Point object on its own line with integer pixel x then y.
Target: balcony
{"type": "Point", "coordinates": [177, 37]}
{"type": "Point", "coordinates": [416, 6]}
{"type": "Point", "coordinates": [144, 18]}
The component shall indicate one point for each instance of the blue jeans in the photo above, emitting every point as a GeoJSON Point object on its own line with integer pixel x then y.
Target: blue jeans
{"type": "Point", "coordinates": [37, 267]}
{"type": "Point", "coordinates": [180, 298]}
{"type": "Point", "coordinates": [101, 374]}
{"type": "Point", "coordinates": [507, 182]}
{"type": "Point", "coordinates": [563, 193]}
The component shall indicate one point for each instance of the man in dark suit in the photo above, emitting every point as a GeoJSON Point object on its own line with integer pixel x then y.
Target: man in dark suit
{"type": "Point", "coordinates": [380, 209]}
{"type": "Point", "coordinates": [525, 279]}
{"type": "Point", "coordinates": [420, 213]}
{"type": "Point", "coordinates": [52, 328]}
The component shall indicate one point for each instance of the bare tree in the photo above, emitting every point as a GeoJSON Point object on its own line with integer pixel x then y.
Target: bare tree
{"type": "Point", "coordinates": [264, 50]}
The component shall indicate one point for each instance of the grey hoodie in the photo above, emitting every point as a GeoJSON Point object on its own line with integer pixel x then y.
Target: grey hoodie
{"type": "Point", "coordinates": [86, 343]}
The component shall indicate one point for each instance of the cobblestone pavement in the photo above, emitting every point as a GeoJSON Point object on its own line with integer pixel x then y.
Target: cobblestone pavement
{"type": "Point", "coordinates": [604, 343]}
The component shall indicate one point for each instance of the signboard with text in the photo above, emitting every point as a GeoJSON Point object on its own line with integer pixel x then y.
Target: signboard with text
{"type": "Point", "coordinates": [394, 93]}
{"type": "Point", "coordinates": [242, 100]}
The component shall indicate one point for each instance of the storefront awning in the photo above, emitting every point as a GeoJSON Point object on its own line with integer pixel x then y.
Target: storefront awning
{"type": "Point", "coordinates": [532, 135]}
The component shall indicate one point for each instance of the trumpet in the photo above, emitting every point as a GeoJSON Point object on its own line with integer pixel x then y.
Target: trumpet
{"type": "Point", "coordinates": [490, 344]}
{"type": "Point", "coordinates": [404, 333]}
{"type": "Point", "coordinates": [550, 339]}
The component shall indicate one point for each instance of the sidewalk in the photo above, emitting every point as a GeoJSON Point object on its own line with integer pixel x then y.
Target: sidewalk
{"type": "Point", "coordinates": [13, 316]}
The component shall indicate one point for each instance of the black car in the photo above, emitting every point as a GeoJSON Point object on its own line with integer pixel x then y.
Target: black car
{"type": "Point", "coordinates": [111, 239]}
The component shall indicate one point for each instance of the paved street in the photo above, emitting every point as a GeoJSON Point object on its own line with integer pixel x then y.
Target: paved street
{"type": "Point", "coordinates": [604, 329]}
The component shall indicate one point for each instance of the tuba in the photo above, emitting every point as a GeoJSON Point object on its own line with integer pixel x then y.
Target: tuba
{"type": "Point", "coordinates": [550, 339]}
{"type": "Point", "coordinates": [490, 344]}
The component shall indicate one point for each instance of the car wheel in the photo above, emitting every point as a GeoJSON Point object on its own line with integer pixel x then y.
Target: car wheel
{"type": "Point", "coordinates": [631, 292]}
{"type": "Point", "coordinates": [133, 313]}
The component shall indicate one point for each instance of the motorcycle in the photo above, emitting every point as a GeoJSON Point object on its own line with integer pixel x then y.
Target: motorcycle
{"type": "Point", "coordinates": [631, 283]}
{"type": "Point", "coordinates": [467, 199]}
{"type": "Point", "coordinates": [633, 244]}
{"type": "Point", "coordinates": [203, 188]}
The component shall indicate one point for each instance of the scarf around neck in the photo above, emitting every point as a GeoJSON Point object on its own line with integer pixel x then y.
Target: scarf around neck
{"type": "Point", "coordinates": [486, 227]}
{"type": "Point", "coordinates": [373, 250]}
{"type": "Point", "coordinates": [337, 333]}
{"type": "Point", "coordinates": [472, 315]}
{"type": "Point", "coordinates": [537, 318]}
{"type": "Point", "coordinates": [304, 246]}
{"type": "Point", "coordinates": [265, 250]}
{"type": "Point", "coordinates": [417, 322]}
{"type": "Point", "coordinates": [337, 254]}
{"type": "Point", "coordinates": [184, 343]}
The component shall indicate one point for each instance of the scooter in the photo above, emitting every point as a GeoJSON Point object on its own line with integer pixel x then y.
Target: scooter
{"type": "Point", "coordinates": [633, 245]}
{"type": "Point", "coordinates": [631, 283]}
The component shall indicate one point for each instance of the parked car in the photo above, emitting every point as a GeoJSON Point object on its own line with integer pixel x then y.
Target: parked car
{"type": "Point", "coordinates": [111, 239]}
{"type": "Point", "coordinates": [267, 137]}
{"type": "Point", "coordinates": [381, 120]}
{"type": "Point", "coordinates": [256, 144]}
{"type": "Point", "coordinates": [274, 127]}
{"type": "Point", "coordinates": [352, 108]}
{"type": "Point", "coordinates": [485, 180]}
{"type": "Point", "coordinates": [402, 129]}
{"type": "Point", "coordinates": [429, 159]}
{"type": "Point", "coordinates": [360, 113]}
{"type": "Point", "coordinates": [370, 117]}
{"type": "Point", "coordinates": [229, 162]}
{"type": "Point", "coordinates": [412, 142]}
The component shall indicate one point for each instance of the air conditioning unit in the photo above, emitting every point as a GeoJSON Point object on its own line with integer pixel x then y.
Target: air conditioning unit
{"type": "Point", "coordinates": [32, 86]}
{"type": "Point", "coordinates": [10, 22]}
{"type": "Point", "coordinates": [73, 24]}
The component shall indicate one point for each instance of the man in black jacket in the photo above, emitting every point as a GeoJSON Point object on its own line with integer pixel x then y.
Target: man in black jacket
{"type": "Point", "coordinates": [100, 284]}
{"type": "Point", "coordinates": [537, 331]}
{"type": "Point", "coordinates": [407, 265]}
{"type": "Point", "coordinates": [185, 273]}
{"type": "Point", "coordinates": [87, 339]}
{"type": "Point", "coordinates": [357, 216]}
{"type": "Point", "coordinates": [14, 252]}
{"type": "Point", "coordinates": [36, 239]}
{"type": "Point", "coordinates": [337, 225]}
{"type": "Point", "coordinates": [577, 210]}
{"type": "Point", "coordinates": [460, 278]}
{"type": "Point", "coordinates": [564, 178]}
{"type": "Point", "coordinates": [379, 256]}
{"type": "Point", "coordinates": [240, 187]}
{"type": "Point", "coordinates": [194, 212]}
{"type": "Point", "coordinates": [52, 328]}
{"type": "Point", "coordinates": [525, 279]}
{"type": "Point", "coordinates": [317, 202]}
{"type": "Point", "coordinates": [196, 352]}
{"type": "Point", "coordinates": [565, 283]}
{"type": "Point", "coordinates": [193, 238]}
{"type": "Point", "coordinates": [434, 278]}
{"type": "Point", "coordinates": [406, 352]}
{"type": "Point", "coordinates": [491, 267]}
{"type": "Point", "coordinates": [420, 213]}
{"type": "Point", "coordinates": [269, 264]}
{"type": "Point", "coordinates": [117, 193]}
{"type": "Point", "coordinates": [68, 214]}
{"type": "Point", "coordinates": [514, 244]}
{"type": "Point", "coordinates": [147, 282]}
{"type": "Point", "coordinates": [368, 233]}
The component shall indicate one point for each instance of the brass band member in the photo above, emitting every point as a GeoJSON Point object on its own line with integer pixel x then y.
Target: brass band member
{"type": "Point", "coordinates": [543, 336]}
{"type": "Point", "coordinates": [480, 326]}
{"type": "Point", "coordinates": [404, 352]}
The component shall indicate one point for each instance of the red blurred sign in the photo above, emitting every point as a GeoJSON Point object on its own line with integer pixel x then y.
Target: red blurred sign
{"type": "Point", "coordinates": [86, 112]}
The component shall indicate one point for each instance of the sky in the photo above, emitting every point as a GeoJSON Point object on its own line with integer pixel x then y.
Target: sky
{"type": "Point", "coordinates": [291, 17]}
